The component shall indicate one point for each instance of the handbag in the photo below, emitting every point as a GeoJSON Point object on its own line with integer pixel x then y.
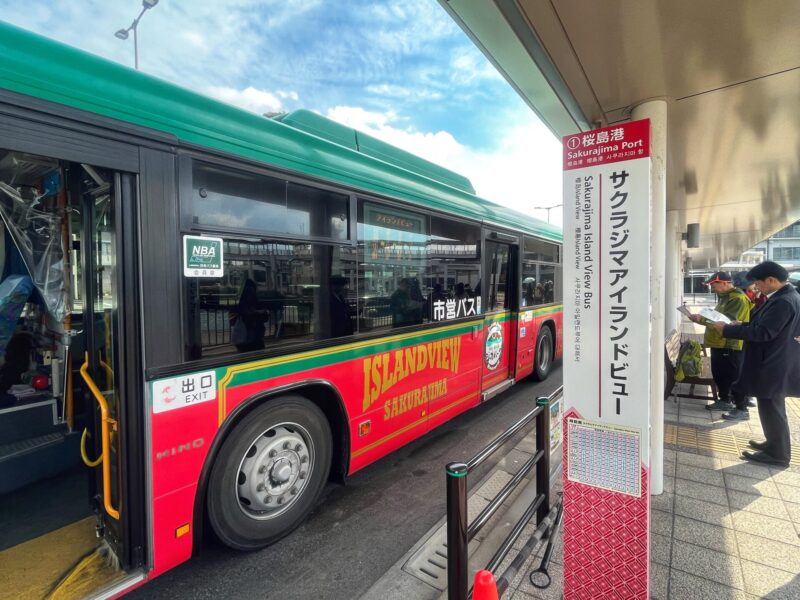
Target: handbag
{"type": "Point", "coordinates": [239, 332]}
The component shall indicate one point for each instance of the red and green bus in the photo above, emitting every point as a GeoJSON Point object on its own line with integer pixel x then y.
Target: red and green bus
{"type": "Point", "coordinates": [206, 315]}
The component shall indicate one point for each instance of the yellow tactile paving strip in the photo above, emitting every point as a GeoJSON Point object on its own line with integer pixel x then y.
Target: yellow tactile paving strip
{"type": "Point", "coordinates": [718, 440]}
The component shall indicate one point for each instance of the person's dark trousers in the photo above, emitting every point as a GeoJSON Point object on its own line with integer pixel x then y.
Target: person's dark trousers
{"type": "Point", "coordinates": [772, 412]}
{"type": "Point", "coordinates": [725, 365]}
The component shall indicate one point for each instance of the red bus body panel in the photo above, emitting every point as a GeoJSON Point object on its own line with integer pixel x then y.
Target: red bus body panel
{"type": "Point", "coordinates": [404, 385]}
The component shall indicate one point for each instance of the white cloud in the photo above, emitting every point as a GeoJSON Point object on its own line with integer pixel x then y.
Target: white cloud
{"type": "Point", "coordinates": [469, 66]}
{"type": "Point", "coordinates": [250, 98]}
{"type": "Point", "coordinates": [403, 92]}
{"type": "Point", "coordinates": [522, 171]}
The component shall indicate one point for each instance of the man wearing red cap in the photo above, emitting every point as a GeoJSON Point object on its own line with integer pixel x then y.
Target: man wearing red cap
{"type": "Point", "coordinates": [770, 362]}
{"type": "Point", "coordinates": [726, 355]}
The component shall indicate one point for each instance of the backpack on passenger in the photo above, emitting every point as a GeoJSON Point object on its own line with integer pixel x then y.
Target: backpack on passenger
{"type": "Point", "coordinates": [690, 361]}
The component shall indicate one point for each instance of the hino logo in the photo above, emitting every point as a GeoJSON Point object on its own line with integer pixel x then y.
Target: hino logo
{"type": "Point", "coordinates": [193, 445]}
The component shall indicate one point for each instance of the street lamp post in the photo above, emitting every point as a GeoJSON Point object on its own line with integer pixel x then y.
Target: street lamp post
{"type": "Point", "coordinates": [122, 34]}
{"type": "Point", "coordinates": [548, 209]}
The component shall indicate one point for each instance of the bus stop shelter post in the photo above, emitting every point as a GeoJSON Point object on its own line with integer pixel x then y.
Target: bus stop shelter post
{"type": "Point", "coordinates": [457, 542]}
{"type": "Point", "coordinates": [656, 111]}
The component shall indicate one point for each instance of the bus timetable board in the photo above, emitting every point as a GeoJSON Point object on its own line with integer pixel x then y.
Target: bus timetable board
{"type": "Point", "coordinates": [607, 362]}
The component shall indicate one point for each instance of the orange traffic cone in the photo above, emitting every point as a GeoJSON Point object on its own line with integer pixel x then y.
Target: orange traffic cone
{"type": "Point", "coordinates": [485, 587]}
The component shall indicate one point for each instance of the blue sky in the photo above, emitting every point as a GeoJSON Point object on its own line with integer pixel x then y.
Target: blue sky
{"type": "Point", "coordinates": [400, 70]}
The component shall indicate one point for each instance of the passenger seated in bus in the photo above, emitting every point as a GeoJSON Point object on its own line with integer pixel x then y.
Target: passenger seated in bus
{"type": "Point", "coordinates": [273, 303]}
{"type": "Point", "coordinates": [417, 300]}
{"type": "Point", "coordinates": [405, 310]}
{"type": "Point", "coordinates": [248, 324]}
{"type": "Point", "coordinates": [527, 291]}
{"type": "Point", "coordinates": [17, 361]}
{"type": "Point", "coordinates": [538, 294]}
{"type": "Point", "coordinates": [340, 314]}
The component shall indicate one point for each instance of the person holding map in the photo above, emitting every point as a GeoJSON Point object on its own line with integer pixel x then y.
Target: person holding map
{"type": "Point", "coordinates": [726, 354]}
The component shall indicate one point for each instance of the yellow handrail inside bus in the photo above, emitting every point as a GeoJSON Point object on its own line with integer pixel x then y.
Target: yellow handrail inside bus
{"type": "Point", "coordinates": [107, 424]}
{"type": "Point", "coordinates": [84, 456]}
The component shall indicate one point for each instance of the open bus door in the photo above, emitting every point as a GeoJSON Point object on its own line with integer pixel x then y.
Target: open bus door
{"type": "Point", "coordinates": [71, 476]}
{"type": "Point", "coordinates": [501, 252]}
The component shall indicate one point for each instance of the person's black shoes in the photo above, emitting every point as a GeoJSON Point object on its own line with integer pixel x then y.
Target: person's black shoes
{"type": "Point", "coordinates": [762, 457]}
{"type": "Point", "coordinates": [720, 405]}
{"type": "Point", "coordinates": [736, 415]}
{"type": "Point", "coordinates": [758, 445]}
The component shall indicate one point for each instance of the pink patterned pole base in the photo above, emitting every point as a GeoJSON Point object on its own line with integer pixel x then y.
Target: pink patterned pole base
{"type": "Point", "coordinates": [606, 538]}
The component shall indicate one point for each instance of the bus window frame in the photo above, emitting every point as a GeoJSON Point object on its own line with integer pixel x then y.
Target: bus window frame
{"type": "Point", "coordinates": [183, 197]}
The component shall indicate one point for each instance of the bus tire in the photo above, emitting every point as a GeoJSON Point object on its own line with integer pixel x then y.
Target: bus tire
{"type": "Point", "coordinates": [269, 473]}
{"type": "Point", "coordinates": [543, 358]}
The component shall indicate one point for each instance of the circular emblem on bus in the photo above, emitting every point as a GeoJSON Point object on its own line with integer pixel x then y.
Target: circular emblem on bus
{"type": "Point", "coordinates": [494, 345]}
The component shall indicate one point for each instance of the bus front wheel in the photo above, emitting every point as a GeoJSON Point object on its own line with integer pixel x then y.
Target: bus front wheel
{"type": "Point", "coordinates": [543, 360]}
{"type": "Point", "coordinates": [269, 473]}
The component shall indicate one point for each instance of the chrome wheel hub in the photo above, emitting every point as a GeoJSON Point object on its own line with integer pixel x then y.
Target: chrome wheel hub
{"type": "Point", "coordinates": [274, 471]}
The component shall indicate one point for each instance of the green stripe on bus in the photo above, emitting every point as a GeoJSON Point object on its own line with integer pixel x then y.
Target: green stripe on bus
{"type": "Point", "coordinates": [325, 358]}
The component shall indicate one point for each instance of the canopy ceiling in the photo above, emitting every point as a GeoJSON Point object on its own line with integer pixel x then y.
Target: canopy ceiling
{"type": "Point", "coordinates": [729, 69]}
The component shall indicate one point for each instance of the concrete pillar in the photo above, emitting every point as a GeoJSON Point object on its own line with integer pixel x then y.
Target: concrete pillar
{"type": "Point", "coordinates": [656, 111]}
{"type": "Point", "coordinates": [674, 271]}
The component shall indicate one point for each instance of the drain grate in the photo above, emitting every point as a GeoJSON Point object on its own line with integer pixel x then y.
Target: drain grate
{"type": "Point", "coordinates": [429, 562]}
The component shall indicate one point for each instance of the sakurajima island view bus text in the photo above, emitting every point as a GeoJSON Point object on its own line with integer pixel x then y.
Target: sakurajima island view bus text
{"type": "Point", "coordinates": [208, 314]}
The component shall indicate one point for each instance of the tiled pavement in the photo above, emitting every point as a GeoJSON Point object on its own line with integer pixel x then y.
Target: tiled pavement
{"type": "Point", "coordinates": [723, 528]}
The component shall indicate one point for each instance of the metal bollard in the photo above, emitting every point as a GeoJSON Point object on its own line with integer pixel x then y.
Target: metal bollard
{"type": "Point", "coordinates": [457, 541]}
{"type": "Point", "coordinates": [543, 466]}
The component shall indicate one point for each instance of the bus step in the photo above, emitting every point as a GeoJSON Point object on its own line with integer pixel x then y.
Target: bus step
{"type": "Point", "coordinates": [496, 389]}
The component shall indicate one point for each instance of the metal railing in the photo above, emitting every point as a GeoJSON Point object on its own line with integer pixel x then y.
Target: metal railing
{"type": "Point", "coordinates": [460, 532]}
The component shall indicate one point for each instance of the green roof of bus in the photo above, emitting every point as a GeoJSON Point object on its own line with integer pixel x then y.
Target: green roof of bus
{"type": "Point", "coordinates": [303, 142]}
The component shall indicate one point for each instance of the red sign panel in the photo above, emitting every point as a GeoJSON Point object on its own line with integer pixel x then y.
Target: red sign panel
{"type": "Point", "coordinates": [608, 145]}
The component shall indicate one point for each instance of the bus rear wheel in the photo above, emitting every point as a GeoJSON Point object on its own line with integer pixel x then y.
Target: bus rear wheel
{"type": "Point", "coordinates": [543, 360]}
{"type": "Point", "coordinates": [269, 473]}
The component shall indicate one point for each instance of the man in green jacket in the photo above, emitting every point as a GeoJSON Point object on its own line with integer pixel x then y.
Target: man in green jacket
{"type": "Point", "coordinates": [726, 354]}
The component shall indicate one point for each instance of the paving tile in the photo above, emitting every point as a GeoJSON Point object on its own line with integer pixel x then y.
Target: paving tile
{"type": "Point", "coordinates": [768, 527]}
{"type": "Point", "coordinates": [705, 535]}
{"type": "Point", "coordinates": [767, 582]}
{"type": "Point", "coordinates": [701, 491]}
{"type": "Point", "coordinates": [693, 421]}
{"type": "Point", "coordinates": [745, 469]}
{"type": "Point", "coordinates": [771, 507]}
{"type": "Point", "coordinates": [669, 468]}
{"type": "Point", "coordinates": [669, 484]}
{"type": "Point", "coordinates": [669, 454]}
{"type": "Point", "coordinates": [698, 460]}
{"type": "Point", "coordinates": [750, 485]}
{"type": "Point", "coordinates": [702, 475]}
{"type": "Point", "coordinates": [659, 582]}
{"type": "Point", "coordinates": [785, 477]}
{"type": "Point", "coordinates": [661, 522]}
{"type": "Point", "coordinates": [708, 512]}
{"type": "Point", "coordinates": [794, 512]}
{"type": "Point", "coordinates": [662, 502]}
{"type": "Point", "coordinates": [768, 552]}
{"type": "Point", "coordinates": [789, 493]}
{"type": "Point", "coordinates": [659, 549]}
{"type": "Point", "coordinates": [683, 586]}
{"type": "Point", "coordinates": [716, 566]}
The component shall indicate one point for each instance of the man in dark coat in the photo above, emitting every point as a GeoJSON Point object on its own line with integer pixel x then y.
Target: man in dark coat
{"type": "Point", "coordinates": [771, 361]}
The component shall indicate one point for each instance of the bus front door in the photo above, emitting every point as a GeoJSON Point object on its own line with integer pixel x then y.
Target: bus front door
{"type": "Point", "coordinates": [71, 367]}
{"type": "Point", "coordinates": [499, 338]}
{"type": "Point", "coordinates": [104, 358]}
